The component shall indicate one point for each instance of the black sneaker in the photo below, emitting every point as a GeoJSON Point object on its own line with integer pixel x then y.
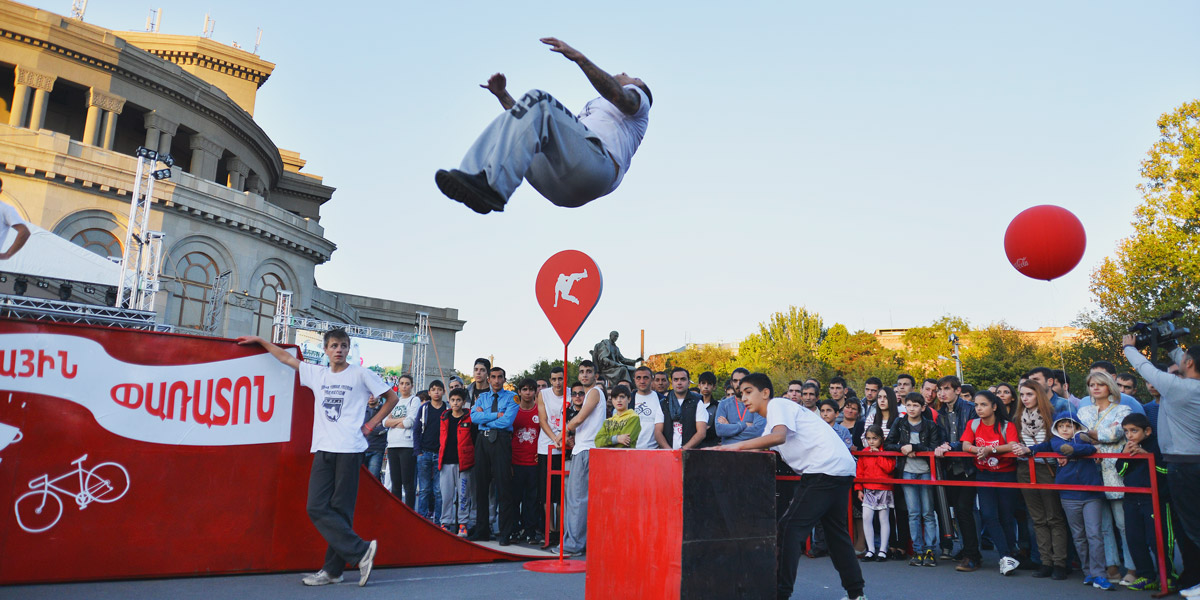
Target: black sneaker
{"type": "Point", "coordinates": [472, 190]}
{"type": "Point", "coordinates": [930, 561]}
{"type": "Point", "coordinates": [918, 560]}
{"type": "Point", "coordinates": [1044, 571]}
{"type": "Point", "coordinates": [1059, 573]}
{"type": "Point", "coordinates": [946, 555]}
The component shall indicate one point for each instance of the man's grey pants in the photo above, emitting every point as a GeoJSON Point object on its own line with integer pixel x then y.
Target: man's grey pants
{"type": "Point", "coordinates": [577, 503]}
{"type": "Point", "coordinates": [540, 140]}
{"type": "Point", "coordinates": [458, 495]}
{"type": "Point", "coordinates": [332, 493]}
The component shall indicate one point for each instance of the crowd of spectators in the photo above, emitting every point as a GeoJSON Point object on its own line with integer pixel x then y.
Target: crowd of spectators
{"type": "Point", "coordinates": [473, 458]}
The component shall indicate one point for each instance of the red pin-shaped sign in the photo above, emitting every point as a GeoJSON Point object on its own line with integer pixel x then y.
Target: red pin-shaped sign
{"type": "Point", "coordinates": [568, 287]}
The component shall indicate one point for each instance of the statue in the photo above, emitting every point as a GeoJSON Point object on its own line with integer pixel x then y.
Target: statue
{"type": "Point", "coordinates": [611, 364]}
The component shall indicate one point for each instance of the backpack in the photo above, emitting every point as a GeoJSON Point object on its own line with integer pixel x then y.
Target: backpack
{"type": "Point", "coordinates": [974, 425]}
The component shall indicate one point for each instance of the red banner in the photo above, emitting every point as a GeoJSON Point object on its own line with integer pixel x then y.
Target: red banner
{"type": "Point", "coordinates": [129, 454]}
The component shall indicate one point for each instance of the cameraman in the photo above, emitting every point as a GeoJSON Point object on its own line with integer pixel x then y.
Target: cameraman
{"type": "Point", "coordinates": [1179, 438]}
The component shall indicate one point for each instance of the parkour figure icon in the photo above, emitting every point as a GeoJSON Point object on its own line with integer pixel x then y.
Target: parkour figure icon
{"type": "Point", "coordinates": [562, 287]}
{"type": "Point", "coordinates": [570, 160]}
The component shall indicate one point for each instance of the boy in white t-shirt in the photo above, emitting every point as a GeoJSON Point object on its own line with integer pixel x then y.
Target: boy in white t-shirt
{"type": "Point", "coordinates": [814, 451]}
{"type": "Point", "coordinates": [550, 418]}
{"type": "Point", "coordinates": [340, 391]}
{"type": "Point", "coordinates": [648, 407]}
{"type": "Point", "coordinates": [570, 160]}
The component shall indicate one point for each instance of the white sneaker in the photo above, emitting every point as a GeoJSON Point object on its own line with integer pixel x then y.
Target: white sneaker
{"type": "Point", "coordinates": [321, 578]}
{"type": "Point", "coordinates": [364, 565]}
{"type": "Point", "coordinates": [1008, 564]}
{"type": "Point", "coordinates": [1191, 592]}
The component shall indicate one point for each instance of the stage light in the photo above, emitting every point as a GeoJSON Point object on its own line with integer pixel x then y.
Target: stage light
{"type": "Point", "coordinates": [45, 285]}
{"type": "Point", "coordinates": [167, 159]}
{"type": "Point", "coordinates": [3, 278]}
{"type": "Point", "coordinates": [20, 286]}
{"type": "Point", "coordinates": [88, 289]}
{"type": "Point", "coordinates": [64, 292]}
{"type": "Point", "coordinates": [110, 296]}
{"type": "Point", "coordinates": [161, 174]}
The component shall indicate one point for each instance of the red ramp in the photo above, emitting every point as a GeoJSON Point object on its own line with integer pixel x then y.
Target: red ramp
{"type": "Point", "coordinates": [210, 443]}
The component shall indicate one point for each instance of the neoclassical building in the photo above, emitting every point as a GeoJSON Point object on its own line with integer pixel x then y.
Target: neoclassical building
{"type": "Point", "coordinates": [77, 100]}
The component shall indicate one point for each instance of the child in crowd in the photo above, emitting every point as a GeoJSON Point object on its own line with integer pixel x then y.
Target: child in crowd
{"type": "Point", "coordinates": [829, 414]}
{"type": "Point", "coordinates": [1082, 508]}
{"type": "Point", "coordinates": [578, 393]}
{"type": "Point", "coordinates": [876, 497]}
{"type": "Point", "coordinates": [524, 460]}
{"type": "Point", "coordinates": [426, 445]}
{"type": "Point", "coordinates": [992, 439]}
{"type": "Point", "coordinates": [456, 456]}
{"type": "Point", "coordinates": [1140, 511]}
{"type": "Point", "coordinates": [911, 434]}
{"type": "Point", "coordinates": [620, 430]}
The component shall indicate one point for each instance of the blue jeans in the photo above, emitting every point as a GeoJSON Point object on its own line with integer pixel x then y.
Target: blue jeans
{"type": "Point", "coordinates": [429, 496]}
{"type": "Point", "coordinates": [997, 506]}
{"type": "Point", "coordinates": [374, 462]}
{"type": "Point", "coordinates": [919, 500]}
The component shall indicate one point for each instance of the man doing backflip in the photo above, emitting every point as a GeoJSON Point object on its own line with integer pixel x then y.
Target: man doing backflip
{"type": "Point", "coordinates": [570, 160]}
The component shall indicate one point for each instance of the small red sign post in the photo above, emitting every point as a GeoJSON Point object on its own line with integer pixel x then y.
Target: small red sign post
{"type": "Point", "coordinates": [568, 287]}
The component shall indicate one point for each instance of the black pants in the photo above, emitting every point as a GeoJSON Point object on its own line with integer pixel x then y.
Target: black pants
{"type": "Point", "coordinates": [332, 493]}
{"type": "Point", "coordinates": [555, 492]}
{"type": "Point", "coordinates": [826, 500]}
{"type": "Point", "coordinates": [962, 500]}
{"type": "Point", "coordinates": [1184, 482]}
{"type": "Point", "coordinates": [493, 464]}
{"type": "Point", "coordinates": [402, 465]}
{"type": "Point", "coordinates": [525, 493]}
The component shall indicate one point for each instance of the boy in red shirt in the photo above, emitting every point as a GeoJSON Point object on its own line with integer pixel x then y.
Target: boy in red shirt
{"type": "Point", "coordinates": [992, 438]}
{"type": "Point", "coordinates": [524, 461]}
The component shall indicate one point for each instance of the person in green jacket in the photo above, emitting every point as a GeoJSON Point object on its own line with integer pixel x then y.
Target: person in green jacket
{"type": "Point", "coordinates": [620, 430]}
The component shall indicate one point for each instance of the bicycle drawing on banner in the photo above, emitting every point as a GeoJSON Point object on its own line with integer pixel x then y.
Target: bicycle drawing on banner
{"type": "Point", "coordinates": [41, 508]}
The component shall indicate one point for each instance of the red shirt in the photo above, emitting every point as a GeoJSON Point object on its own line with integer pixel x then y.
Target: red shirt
{"type": "Point", "coordinates": [525, 437]}
{"type": "Point", "coordinates": [988, 435]}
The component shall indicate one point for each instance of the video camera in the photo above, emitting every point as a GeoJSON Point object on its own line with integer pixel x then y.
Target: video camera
{"type": "Point", "coordinates": [1159, 332]}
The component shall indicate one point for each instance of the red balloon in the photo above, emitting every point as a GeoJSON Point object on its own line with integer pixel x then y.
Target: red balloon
{"type": "Point", "coordinates": [1045, 242]}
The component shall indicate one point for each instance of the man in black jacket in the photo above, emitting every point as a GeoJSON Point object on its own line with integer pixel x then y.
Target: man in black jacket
{"type": "Point", "coordinates": [955, 415]}
{"type": "Point", "coordinates": [678, 408]}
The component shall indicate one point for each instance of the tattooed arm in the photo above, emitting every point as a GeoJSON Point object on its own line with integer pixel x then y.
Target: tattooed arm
{"type": "Point", "coordinates": [498, 85]}
{"type": "Point", "coordinates": [610, 89]}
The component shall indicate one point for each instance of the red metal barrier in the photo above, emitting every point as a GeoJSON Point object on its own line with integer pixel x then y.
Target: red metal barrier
{"type": "Point", "coordinates": [1163, 559]}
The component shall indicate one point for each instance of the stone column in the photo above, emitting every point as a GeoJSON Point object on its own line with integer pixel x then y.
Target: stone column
{"type": "Point", "coordinates": [102, 111]}
{"type": "Point", "coordinates": [20, 106]}
{"type": "Point", "coordinates": [110, 129]}
{"type": "Point", "coordinates": [92, 127]}
{"type": "Point", "coordinates": [205, 154]}
{"type": "Point", "coordinates": [238, 171]}
{"type": "Point", "coordinates": [42, 84]}
{"type": "Point", "coordinates": [159, 127]}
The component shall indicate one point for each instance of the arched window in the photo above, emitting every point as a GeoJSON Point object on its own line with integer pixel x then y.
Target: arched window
{"type": "Point", "coordinates": [269, 286]}
{"type": "Point", "coordinates": [196, 272]}
{"type": "Point", "coordinates": [99, 241]}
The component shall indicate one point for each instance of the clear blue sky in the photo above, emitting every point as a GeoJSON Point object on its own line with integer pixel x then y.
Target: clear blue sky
{"type": "Point", "coordinates": [861, 159]}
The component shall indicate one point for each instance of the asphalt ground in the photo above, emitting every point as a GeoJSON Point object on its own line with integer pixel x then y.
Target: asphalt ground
{"type": "Point", "coordinates": [816, 580]}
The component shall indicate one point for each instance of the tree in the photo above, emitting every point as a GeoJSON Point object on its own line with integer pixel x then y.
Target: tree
{"type": "Point", "coordinates": [787, 341]}
{"type": "Point", "coordinates": [924, 347]}
{"type": "Point", "coordinates": [857, 356]}
{"type": "Point", "coordinates": [999, 354]}
{"type": "Point", "coordinates": [1157, 269]}
{"type": "Point", "coordinates": [698, 358]}
{"type": "Point", "coordinates": [541, 370]}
